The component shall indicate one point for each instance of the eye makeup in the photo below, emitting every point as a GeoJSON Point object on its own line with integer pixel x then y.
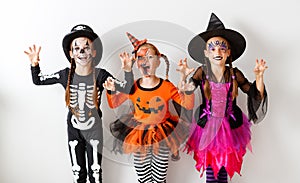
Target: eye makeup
{"type": "Point", "coordinates": [213, 44]}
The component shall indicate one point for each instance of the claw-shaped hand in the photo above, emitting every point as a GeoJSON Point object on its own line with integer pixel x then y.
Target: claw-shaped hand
{"type": "Point", "coordinates": [109, 84]}
{"type": "Point", "coordinates": [126, 61]}
{"type": "Point", "coordinates": [186, 86]}
{"type": "Point", "coordinates": [260, 67]}
{"type": "Point", "coordinates": [183, 69]}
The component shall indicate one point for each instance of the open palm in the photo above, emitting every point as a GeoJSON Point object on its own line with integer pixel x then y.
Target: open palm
{"type": "Point", "coordinates": [33, 55]}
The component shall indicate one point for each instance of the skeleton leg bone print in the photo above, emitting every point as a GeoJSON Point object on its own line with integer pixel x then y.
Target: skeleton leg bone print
{"type": "Point", "coordinates": [95, 166]}
{"type": "Point", "coordinates": [75, 168]}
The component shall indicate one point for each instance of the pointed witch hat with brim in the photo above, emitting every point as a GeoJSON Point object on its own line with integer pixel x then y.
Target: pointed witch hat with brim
{"type": "Point", "coordinates": [216, 28]}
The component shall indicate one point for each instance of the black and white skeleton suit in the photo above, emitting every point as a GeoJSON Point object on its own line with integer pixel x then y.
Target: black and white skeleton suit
{"type": "Point", "coordinates": [85, 133]}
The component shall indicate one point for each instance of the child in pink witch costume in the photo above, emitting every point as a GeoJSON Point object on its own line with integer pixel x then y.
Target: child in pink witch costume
{"type": "Point", "coordinates": [221, 131]}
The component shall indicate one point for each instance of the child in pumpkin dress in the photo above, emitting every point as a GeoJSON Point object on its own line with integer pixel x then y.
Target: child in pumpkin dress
{"type": "Point", "coordinates": [149, 133]}
{"type": "Point", "coordinates": [221, 132]}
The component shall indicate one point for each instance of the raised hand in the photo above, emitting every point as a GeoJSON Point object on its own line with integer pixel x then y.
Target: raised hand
{"type": "Point", "coordinates": [109, 84]}
{"type": "Point", "coordinates": [33, 55]}
{"type": "Point", "coordinates": [126, 61]}
{"type": "Point", "coordinates": [183, 69]}
{"type": "Point", "coordinates": [260, 67]}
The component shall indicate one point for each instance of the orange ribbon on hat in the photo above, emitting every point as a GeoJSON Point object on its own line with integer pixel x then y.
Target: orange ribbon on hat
{"type": "Point", "coordinates": [135, 42]}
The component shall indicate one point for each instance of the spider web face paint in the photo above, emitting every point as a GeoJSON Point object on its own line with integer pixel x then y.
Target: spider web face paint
{"type": "Point", "coordinates": [222, 44]}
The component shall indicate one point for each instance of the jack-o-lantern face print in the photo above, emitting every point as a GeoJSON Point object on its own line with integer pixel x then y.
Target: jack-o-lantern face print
{"type": "Point", "coordinates": [154, 109]}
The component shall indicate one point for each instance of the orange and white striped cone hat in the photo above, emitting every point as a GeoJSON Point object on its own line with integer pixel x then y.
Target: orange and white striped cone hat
{"type": "Point", "coordinates": [135, 42]}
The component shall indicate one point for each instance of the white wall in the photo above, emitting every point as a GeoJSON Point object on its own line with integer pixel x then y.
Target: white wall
{"type": "Point", "coordinates": [33, 137]}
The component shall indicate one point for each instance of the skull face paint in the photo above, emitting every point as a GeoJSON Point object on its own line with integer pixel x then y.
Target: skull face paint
{"type": "Point", "coordinates": [82, 51]}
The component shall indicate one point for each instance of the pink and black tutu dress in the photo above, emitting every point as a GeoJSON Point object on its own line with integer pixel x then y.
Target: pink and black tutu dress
{"type": "Point", "coordinates": [220, 134]}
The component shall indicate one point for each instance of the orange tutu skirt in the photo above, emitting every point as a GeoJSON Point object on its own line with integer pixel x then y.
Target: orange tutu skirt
{"type": "Point", "coordinates": [133, 136]}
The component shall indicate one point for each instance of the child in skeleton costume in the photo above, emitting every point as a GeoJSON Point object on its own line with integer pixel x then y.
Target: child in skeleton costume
{"type": "Point", "coordinates": [149, 133]}
{"type": "Point", "coordinates": [84, 85]}
{"type": "Point", "coordinates": [221, 131]}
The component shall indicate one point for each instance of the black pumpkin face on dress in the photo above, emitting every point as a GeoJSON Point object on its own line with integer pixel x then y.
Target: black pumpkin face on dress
{"type": "Point", "coordinates": [155, 105]}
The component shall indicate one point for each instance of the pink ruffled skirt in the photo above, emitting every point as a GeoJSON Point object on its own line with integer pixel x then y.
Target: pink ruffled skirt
{"type": "Point", "coordinates": [218, 145]}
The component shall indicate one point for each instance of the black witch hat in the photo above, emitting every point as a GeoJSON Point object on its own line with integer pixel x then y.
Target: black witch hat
{"type": "Point", "coordinates": [216, 28]}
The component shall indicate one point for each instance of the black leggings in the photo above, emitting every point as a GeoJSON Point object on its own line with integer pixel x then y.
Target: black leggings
{"type": "Point", "coordinates": [82, 144]}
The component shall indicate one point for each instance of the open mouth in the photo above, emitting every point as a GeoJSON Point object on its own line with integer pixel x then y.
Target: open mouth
{"type": "Point", "coordinates": [218, 58]}
{"type": "Point", "coordinates": [145, 68]}
{"type": "Point", "coordinates": [82, 58]}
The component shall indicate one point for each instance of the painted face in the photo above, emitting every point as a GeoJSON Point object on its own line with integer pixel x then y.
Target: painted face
{"type": "Point", "coordinates": [147, 61]}
{"type": "Point", "coordinates": [82, 51]}
{"type": "Point", "coordinates": [217, 50]}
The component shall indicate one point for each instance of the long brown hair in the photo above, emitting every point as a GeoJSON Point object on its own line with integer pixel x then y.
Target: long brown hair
{"type": "Point", "coordinates": [207, 89]}
{"type": "Point", "coordinates": [70, 78]}
{"type": "Point", "coordinates": [95, 89]}
{"type": "Point", "coordinates": [233, 80]}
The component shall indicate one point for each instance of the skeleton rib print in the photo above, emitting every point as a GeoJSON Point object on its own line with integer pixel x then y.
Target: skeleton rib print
{"type": "Point", "coordinates": [81, 100]}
